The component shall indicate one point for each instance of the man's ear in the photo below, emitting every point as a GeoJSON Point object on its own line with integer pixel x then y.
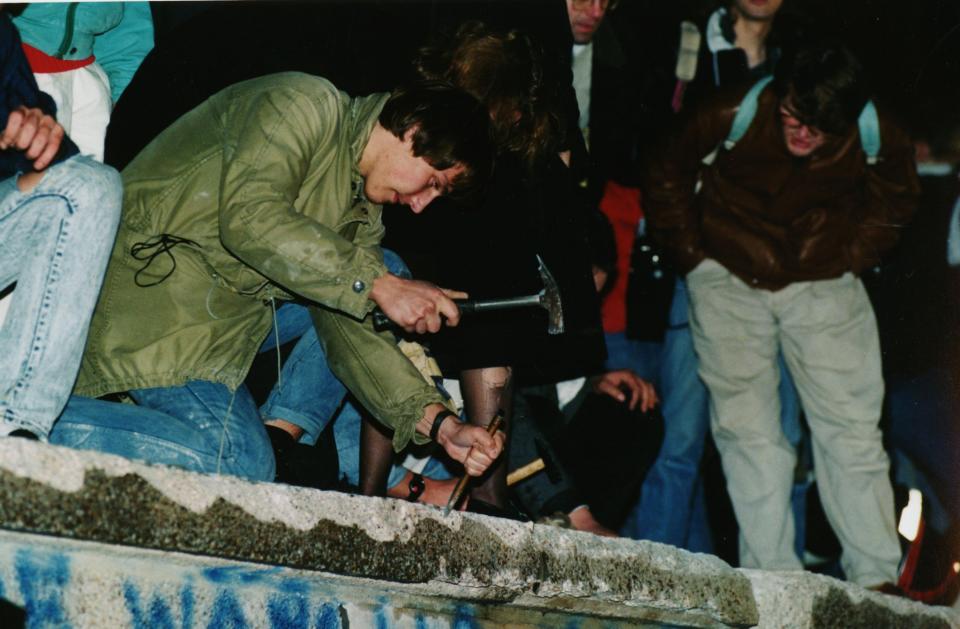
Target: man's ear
{"type": "Point", "coordinates": [408, 135]}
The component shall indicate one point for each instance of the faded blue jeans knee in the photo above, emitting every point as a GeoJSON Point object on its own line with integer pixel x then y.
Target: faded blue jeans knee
{"type": "Point", "coordinates": [55, 241]}
{"type": "Point", "coordinates": [203, 426]}
{"type": "Point", "coordinates": [200, 426]}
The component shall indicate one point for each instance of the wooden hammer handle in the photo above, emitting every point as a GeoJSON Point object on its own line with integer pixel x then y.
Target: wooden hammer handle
{"type": "Point", "coordinates": [525, 472]}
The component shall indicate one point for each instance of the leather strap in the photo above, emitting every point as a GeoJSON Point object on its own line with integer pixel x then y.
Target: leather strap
{"type": "Point", "coordinates": [435, 428]}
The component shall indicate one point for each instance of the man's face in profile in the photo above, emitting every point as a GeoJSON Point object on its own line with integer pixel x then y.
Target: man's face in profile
{"type": "Point", "coordinates": [400, 177]}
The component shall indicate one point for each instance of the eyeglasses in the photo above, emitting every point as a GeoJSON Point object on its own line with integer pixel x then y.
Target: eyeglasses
{"type": "Point", "coordinates": [791, 121]}
{"type": "Point", "coordinates": [605, 5]}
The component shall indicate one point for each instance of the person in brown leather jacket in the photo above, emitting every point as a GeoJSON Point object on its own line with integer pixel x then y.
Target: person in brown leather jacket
{"type": "Point", "coordinates": [772, 244]}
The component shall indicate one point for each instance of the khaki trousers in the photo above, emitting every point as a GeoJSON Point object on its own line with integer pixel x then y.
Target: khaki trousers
{"type": "Point", "coordinates": [828, 335]}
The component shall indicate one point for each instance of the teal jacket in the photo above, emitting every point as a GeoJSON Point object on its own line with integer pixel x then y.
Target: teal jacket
{"type": "Point", "coordinates": [118, 34]}
{"type": "Point", "coordinates": [253, 197]}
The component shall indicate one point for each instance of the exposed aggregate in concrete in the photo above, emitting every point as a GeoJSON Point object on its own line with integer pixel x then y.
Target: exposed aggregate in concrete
{"type": "Point", "coordinates": [835, 610]}
{"type": "Point", "coordinates": [95, 497]}
{"type": "Point", "coordinates": [803, 600]}
{"type": "Point", "coordinates": [374, 538]}
{"type": "Point", "coordinates": [140, 516]}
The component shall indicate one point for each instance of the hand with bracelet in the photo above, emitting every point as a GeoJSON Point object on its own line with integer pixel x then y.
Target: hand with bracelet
{"type": "Point", "coordinates": [466, 443]}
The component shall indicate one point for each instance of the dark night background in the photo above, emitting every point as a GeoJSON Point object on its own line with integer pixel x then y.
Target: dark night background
{"type": "Point", "coordinates": [912, 49]}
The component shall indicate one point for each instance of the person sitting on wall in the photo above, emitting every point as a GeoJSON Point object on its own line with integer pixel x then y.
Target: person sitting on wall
{"type": "Point", "coordinates": [59, 217]}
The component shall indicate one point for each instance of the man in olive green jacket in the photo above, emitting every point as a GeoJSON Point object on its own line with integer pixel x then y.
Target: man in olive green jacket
{"type": "Point", "coordinates": [269, 192]}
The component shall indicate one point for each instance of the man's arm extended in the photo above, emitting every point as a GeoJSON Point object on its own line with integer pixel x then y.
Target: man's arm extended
{"type": "Point", "coordinates": [283, 131]}
{"type": "Point", "coordinates": [388, 385]}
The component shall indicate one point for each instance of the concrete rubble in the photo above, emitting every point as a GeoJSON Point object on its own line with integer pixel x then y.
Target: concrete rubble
{"type": "Point", "coordinates": [137, 542]}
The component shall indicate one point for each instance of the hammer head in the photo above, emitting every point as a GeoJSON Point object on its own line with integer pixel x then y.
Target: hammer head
{"type": "Point", "coordinates": [550, 299]}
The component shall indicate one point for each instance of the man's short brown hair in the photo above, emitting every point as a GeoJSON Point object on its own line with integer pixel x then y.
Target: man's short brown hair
{"type": "Point", "coordinates": [450, 128]}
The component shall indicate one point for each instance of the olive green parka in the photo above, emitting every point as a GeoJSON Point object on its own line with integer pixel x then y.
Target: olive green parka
{"type": "Point", "coordinates": [253, 197]}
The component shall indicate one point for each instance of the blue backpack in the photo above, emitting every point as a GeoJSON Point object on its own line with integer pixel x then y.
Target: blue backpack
{"type": "Point", "coordinates": [868, 124]}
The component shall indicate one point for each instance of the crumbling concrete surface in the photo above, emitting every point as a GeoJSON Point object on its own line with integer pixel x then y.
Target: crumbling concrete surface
{"type": "Point", "coordinates": [87, 496]}
{"type": "Point", "coordinates": [802, 600]}
{"type": "Point", "coordinates": [539, 575]}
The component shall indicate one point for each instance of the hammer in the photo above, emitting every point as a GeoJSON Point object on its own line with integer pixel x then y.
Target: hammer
{"type": "Point", "coordinates": [548, 299]}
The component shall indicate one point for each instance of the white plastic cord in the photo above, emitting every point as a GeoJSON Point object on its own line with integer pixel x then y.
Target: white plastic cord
{"type": "Point", "coordinates": [223, 434]}
{"type": "Point", "coordinates": [276, 335]}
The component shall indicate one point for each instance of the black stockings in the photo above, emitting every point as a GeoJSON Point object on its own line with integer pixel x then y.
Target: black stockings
{"type": "Point", "coordinates": [485, 391]}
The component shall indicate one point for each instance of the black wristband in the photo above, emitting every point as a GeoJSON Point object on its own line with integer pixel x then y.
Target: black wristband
{"type": "Point", "coordinates": [437, 420]}
{"type": "Point", "coordinates": [416, 486]}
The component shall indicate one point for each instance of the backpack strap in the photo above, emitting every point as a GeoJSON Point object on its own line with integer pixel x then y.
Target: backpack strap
{"type": "Point", "coordinates": [745, 113]}
{"type": "Point", "coordinates": [741, 120]}
{"type": "Point", "coordinates": [869, 126]}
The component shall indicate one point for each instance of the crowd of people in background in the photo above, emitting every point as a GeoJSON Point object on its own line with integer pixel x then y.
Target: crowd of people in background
{"type": "Point", "coordinates": [715, 206]}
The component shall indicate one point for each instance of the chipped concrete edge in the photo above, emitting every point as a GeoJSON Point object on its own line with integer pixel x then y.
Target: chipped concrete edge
{"type": "Point", "coordinates": [102, 498]}
{"type": "Point", "coordinates": [803, 600]}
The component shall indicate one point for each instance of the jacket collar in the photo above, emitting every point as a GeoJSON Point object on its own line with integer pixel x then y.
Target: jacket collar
{"type": "Point", "coordinates": [362, 115]}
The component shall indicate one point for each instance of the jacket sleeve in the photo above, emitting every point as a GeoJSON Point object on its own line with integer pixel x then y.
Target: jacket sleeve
{"type": "Point", "coordinates": [891, 195]}
{"type": "Point", "coordinates": [670, 182]}
{"type": "Point", "coordinates": [18, 88]}
{"type": "Point", "coordinates": [280, 132]}
{"type": "Point", "coordinates": [121, 50]}
{"type": "Point", "coordinates": [374, 369]}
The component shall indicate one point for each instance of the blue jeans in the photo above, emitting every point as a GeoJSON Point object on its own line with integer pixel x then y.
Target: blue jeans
{"type": "Point", "coordinates": [203, 426]}
{"type": "Point", "coordinates": [312, 407]}
{"type": "Point", "coordinates": [307, 393]}
{"type": "Point", "coordinates": [200, 426]}
{"type": "Point", "coordinates": [671, 508]}
{"type": "Point", "coordinates": [55, 241]}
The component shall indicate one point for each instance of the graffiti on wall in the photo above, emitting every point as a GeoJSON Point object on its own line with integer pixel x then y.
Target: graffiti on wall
{"type": "Point", "coordinates": [40, 582]}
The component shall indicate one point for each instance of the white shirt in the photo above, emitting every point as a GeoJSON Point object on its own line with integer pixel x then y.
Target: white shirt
{"type": "Point", "coordinates": [582, 69]}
